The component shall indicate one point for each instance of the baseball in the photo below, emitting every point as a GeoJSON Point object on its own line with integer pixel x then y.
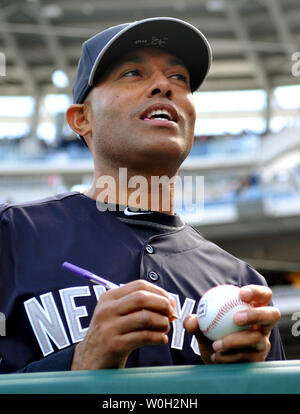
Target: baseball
{"type": "Point", "coordinates": [216, 310]}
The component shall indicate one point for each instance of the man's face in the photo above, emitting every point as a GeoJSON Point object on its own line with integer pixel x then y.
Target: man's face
{"type": "Point", "coordinates": [142, 113]}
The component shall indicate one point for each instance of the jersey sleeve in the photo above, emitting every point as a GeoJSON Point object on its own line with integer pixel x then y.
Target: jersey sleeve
{"type": "Point", "coordinates": [2, 209]}
{"type": "Point", "coordinates": [277, 351]}
{"type": "Point", "coordinates": [60, 361]}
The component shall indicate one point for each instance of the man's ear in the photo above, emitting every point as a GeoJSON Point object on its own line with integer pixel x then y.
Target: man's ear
{"type": "Point", "coordinates": [78, 118]}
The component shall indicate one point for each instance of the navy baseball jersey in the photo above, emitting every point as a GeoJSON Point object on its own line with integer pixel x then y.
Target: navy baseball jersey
{"type": "Point", "coordinates": [47, 309]}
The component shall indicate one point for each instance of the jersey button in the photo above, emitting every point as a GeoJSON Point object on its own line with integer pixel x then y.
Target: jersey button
{"type": "Point", "coordinates": [149, 249]}
{"type": "Point", "coordinates": [153, 276]}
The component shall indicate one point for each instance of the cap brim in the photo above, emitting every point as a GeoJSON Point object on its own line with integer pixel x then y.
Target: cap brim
{"type": "Point", "coordinates": [172, 35]}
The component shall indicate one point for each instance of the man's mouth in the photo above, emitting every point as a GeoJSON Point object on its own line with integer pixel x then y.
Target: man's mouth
{"type": "Point", "coordinates": [160, 112]}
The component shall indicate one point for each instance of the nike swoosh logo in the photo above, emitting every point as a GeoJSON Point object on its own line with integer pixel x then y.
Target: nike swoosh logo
{"type": "Point", "coordinates": [127, 212]}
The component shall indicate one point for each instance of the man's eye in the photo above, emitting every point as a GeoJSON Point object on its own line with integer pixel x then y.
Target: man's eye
{"type": "Point", "coordinates": [181, 77]}
{"type": "Point", "coordinates": [131, 73]}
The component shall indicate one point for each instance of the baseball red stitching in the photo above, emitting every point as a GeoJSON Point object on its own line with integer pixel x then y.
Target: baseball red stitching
{"type": "Point", "coordinates": [227, 306]}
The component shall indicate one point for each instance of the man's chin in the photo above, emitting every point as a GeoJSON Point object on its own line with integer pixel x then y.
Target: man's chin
{"type": "Point", "coordinates": [164, 160]}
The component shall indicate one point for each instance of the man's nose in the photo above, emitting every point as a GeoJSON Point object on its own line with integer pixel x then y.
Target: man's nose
{"type": "Point", "coordinates": [161, 91]}
{"type": "Point", "coordinates": [160, 86]}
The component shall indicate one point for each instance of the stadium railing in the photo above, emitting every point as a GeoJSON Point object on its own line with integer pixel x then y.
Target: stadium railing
{"type": "Point", "coordinates": [282, 377]}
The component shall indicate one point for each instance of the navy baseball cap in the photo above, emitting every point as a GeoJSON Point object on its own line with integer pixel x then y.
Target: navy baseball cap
{"type": "Point", "coordinates": [170, 34]}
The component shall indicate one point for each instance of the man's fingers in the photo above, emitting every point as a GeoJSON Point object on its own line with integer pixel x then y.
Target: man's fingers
{"type": "Point", "coordinates": [256, 295]}
{"type": "Point", "coordinates": [142, 299]}
{"type": "Point", "coordinates": [238, 340]}
{"type": "Point", "coordinates": [139, 285]}
{"type": "Point", "coordinates": [138, 295]}
{"type": "Point", "coordinates": [242, 356]}
{"type": "Point", "coordinates": [241, 346]}
{"type": "Point", "coordinates": [190, 323]}
{"type": "Point", "coordinates": [136, 339]}
{"type": "Point", "coordinates": [143, 320]}
{"type": "Point", "coordinates": [266, 316]}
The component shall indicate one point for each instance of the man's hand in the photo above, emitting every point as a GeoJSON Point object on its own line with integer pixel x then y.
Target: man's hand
{"type": "Point", "coordinates": [244, 346]}
{"type": "Point", "coordinates": [126, 318]}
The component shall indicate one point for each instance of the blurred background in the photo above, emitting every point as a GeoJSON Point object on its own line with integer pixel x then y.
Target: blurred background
{"type": "Point", "coordinates": [247, 136]}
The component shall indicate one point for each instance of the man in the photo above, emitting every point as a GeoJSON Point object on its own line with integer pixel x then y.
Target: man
{"type": "Point", "coordinates": [134, 109]}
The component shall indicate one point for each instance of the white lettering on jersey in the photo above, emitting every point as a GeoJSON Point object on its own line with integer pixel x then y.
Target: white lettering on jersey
{"type": "Point", "coordinates": [46, 323]}
{"type": "Point", "coordinates": [195, 346]}
{"type": "Point", "coordinates": [182, 312]}
{"type": "Point", "coordinates": [74, 313]}
{"type": "Point", "coordinates": [98, 291]}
